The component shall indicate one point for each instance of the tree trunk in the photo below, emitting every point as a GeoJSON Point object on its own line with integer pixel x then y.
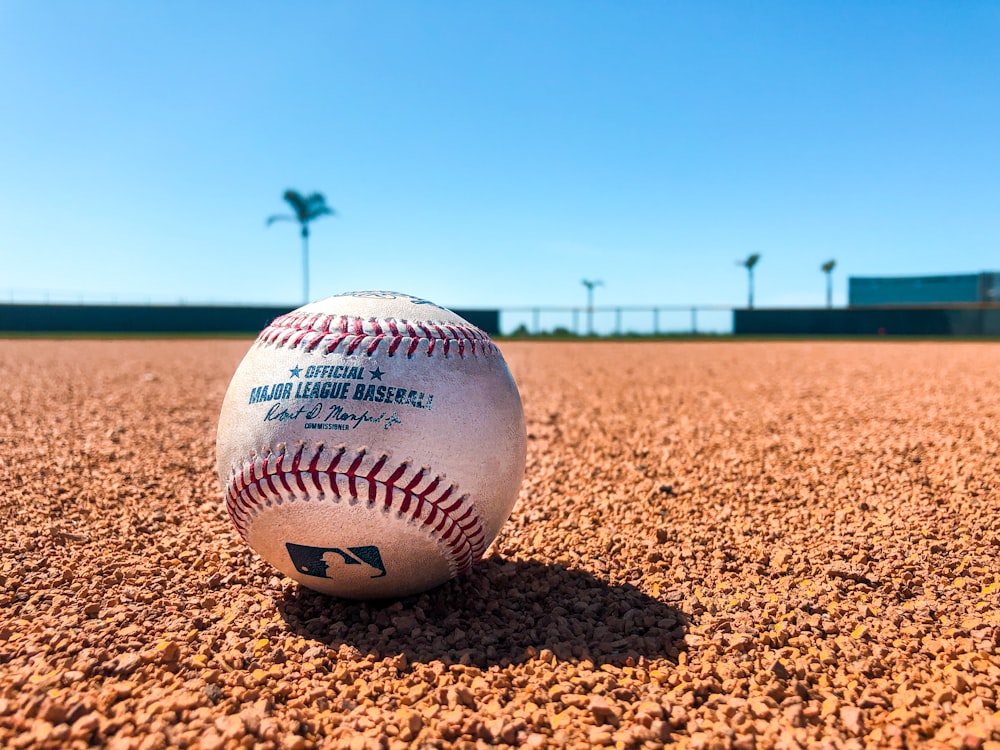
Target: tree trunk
{"type": "Point", "coordinates": [305, 264]}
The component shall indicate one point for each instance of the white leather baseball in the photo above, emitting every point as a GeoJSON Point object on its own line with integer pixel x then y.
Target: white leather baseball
{"type": "Point", "coordinates": [371, 445]}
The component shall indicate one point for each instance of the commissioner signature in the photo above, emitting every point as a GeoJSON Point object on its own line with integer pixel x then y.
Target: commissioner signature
{"type": "Point", "coordinates": [336, 414]}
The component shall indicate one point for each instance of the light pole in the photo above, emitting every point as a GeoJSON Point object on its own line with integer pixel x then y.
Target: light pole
{"type": "Point", "coordinates": [748, 264]}
{"type": "Point", "coordinates": [590, 302]}
{"type": "Point", "coordinates": [827, 268]}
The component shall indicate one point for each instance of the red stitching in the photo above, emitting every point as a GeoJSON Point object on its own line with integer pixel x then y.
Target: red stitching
{"type": "Point", "coordinates": [326, 333]}
{"type": "Point", "coordinates": [449, 518]}
{"type": "Point", "coordinates": [355, 344]}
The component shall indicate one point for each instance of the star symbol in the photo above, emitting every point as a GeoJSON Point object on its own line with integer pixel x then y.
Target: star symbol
{"type": "Point", "coordinates": [295, 371]}
{"type": "Point", "coordinates": [376, 374]}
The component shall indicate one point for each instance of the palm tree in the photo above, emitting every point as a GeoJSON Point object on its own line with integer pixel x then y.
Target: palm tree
{"type": "Point", "coordinates": [748, 264]}
{"type": "Point", "coordinates": [306, 208]}
{"type": "Point", "coordinates": [827, 268]}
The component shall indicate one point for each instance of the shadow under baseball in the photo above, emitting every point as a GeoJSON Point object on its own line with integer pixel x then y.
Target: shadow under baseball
{"type": "Point", "coordinates": [502, 612]}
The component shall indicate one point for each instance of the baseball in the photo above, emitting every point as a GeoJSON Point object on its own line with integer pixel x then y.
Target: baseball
{"type": "Point", "coordinates": [371, 445]}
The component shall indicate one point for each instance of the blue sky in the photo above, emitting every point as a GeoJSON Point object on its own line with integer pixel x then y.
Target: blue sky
{"type": "Point", "coordinates": [495, 153]}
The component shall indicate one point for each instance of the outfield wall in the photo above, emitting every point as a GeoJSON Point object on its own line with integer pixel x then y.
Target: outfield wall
{"type": "Point", "coordinates": [957, 320]}
{"type": "Point", "coordinates": [138, 319]}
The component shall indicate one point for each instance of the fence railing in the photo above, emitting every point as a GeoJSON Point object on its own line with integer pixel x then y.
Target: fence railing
{"type": "Point", "coordinates": [617, 320]}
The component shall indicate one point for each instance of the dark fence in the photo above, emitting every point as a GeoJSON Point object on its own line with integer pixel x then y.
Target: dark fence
{"type": "Point", "coordinates": [618, 320]}
{"type": "Point", "coordinates": [953, 320]}
{"type": "Point", "coordinates": [956, 320]}
{"type": "Point", "coordinates": [193, 319]}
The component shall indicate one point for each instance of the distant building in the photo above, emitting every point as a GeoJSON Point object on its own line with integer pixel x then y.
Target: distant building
{"type": "Point", "coordinates": [970, 288]}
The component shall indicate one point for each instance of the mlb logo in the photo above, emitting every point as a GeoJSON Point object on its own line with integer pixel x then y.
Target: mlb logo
{"type": "Point", "coordinates": [323, 562]}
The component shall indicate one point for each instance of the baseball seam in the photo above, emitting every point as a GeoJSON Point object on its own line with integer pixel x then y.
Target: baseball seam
{"type": "Point", "coordinates": [351, 476]}
{"type": "Point", "coordinates": [313, 332]}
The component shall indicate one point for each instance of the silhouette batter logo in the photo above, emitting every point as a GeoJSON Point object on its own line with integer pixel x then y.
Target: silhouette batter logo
{"type": "Point", "coordinates": [317, 561]}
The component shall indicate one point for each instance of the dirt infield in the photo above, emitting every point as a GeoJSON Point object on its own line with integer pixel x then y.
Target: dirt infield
{"type": "Point", "coordinates": [716, 545]}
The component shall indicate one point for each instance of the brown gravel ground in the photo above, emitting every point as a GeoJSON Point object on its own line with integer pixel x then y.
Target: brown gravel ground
{"type": "Point", "coordinates": [725, 544]}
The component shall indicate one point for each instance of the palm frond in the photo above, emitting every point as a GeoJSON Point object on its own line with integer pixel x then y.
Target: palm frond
{"type": "Point", "coordinates": [307, 207]}
{"type": "Point", "coordinates": [317, 205]}
{"type": "Point", "coordinates": [279, 217]}
{"type": "Point", "coordinates": [298, 203]}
